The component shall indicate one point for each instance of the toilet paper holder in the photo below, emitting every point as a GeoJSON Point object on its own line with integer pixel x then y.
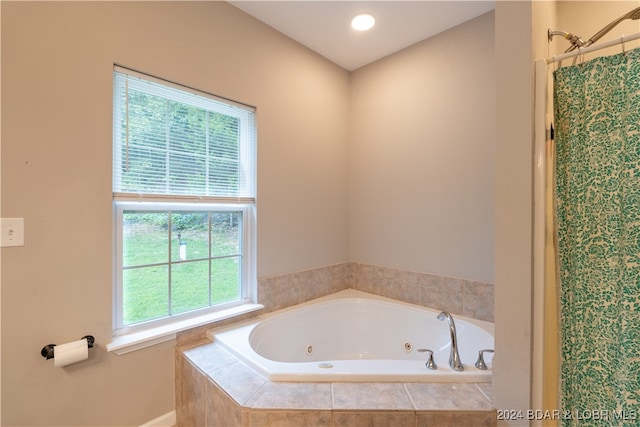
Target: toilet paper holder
{"type": "Point", "coordinates": [47, 350]}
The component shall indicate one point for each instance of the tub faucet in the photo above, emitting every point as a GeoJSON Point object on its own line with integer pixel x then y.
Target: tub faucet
{"type": "Point", "coordinates": [480, 363]}
{"type": "Point", "coordinates": [454, 357]}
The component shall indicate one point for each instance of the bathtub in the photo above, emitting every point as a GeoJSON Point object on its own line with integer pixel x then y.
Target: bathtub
{"type": "Point", "coordinates": [353, 336]}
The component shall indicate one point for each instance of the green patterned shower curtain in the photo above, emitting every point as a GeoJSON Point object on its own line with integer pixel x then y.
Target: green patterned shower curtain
{"type": "Point", "coordinates": [597, 115]}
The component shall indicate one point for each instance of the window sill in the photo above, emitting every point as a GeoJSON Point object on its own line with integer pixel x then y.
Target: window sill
{"type": "Point", "coordinates": [127, 343]}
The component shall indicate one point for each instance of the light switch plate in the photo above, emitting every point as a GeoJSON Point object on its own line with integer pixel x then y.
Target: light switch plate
{"type": "Point", "coordinates": [11, 232]}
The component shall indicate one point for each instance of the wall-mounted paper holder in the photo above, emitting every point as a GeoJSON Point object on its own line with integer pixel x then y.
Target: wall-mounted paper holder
{"type": "Point", "coordinates": [47, 350]}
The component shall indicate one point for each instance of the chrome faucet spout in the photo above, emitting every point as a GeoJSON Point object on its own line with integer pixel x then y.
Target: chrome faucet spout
{"type": "Point", "coordinates": [454, 357]}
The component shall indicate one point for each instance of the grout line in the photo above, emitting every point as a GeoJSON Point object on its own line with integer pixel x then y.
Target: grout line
{"type": "Point", "coordinates": [415, 407]}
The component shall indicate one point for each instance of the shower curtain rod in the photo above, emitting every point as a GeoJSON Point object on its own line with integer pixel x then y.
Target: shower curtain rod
{"type": "Point", "coordinates": [581, 51]}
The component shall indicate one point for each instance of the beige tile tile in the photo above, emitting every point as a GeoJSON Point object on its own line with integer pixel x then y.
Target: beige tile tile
{"type": "Point", "coordinates": [392, 274]}
{"type": "Point", "coordinates": [289, 418]}
{"type": "Point", "coordinates": [314, 284]}
{"type": "Point", "coordinates": [373, 286]}
{"type": "Point", "coordinates": [374, 419]}
{"type": "Point", "coordinates": [403, 291]}
{"type": "Point", "coordinates": [256, 418]}
{"type": "Point", "coordinates": [337, 284]}
{"type": "Point", "coordinates": [479, 289]}
{"type": "Point", "coordinates": [281, 395]}
{"type": "Point", "coordinates": [411, 277]}
{"type": "Point", "coordinates": [355, 268]}
{"type": "Point", "coordinates": [486, 389]}
{"type": "Point", "coordinates": [440, 300]}
{"type": "Point", "coordinates": [177, 384]}
{"type": "Point", "coordinates": [479, 308]}
{"type": "Point", "coordinates": [209, 357]}
{"type": "Point", "coordinates": [339, 276]}
{"type": "Point", "coordinates": [192, 335]}
{"type": "Point", "coordinates": [246, 417]}
{"type": "Point", "coordinates": [370, 271]}
{"type": "Point", "coordinates": [238, 381]}
{"type": "Point", "coordinates": [447, 396]}
{"type": "Point", "coordinates": [396, 275]}
{"type": "Point", "coordinates": [264, 284]}
{"type": "Point", "coordinates": [283, 292]}
{"type": "Point", "coordinates": [454, 284]}
{"type": "Point", "coordinates": [430, 280]}
{"type": "Point", "coordinates": [221, 410]}
{"type": "Point", "coordinates": [456, 419]}
{"type": "Point", "coordinates": [192, 400]}
{"type": "Point", "coordinates": [441, 283]}
{"type": "Point", "coordinates": [373, 396]}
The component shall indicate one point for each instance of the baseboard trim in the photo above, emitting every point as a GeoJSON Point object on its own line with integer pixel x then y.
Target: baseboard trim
{"type": "Point", "coordinates": [166, 420]}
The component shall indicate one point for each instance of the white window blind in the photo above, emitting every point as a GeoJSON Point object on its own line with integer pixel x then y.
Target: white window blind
{"type": "Point", "coordinates": [173, 141]}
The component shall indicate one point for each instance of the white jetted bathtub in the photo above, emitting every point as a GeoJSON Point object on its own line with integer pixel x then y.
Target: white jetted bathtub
{"type": "Point", "coordinates": [355, 336]}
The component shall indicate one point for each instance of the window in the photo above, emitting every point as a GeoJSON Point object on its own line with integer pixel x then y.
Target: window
{"type": "Point", "coordinates": [184, 202]}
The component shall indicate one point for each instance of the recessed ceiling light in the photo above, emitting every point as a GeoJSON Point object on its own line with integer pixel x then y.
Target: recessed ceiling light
{"type": "Point", "coordinates": [363, 22]}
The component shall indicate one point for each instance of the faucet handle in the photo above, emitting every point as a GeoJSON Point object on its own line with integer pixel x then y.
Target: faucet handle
{"type": "Point", "coordinates": [431, 364]}
{"type": "Point", "coordinates": [480, 362]}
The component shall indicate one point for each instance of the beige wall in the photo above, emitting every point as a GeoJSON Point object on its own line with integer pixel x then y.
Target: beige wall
{"type": "Point", "coordinates": [513, 206]}
{"type": "Point", "coordinates": [56, 173]}
{"type": "Point", "coordinates": [422, 156]}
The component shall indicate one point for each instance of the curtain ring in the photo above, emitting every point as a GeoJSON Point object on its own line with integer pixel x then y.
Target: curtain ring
{"type": "Point", "coordinates": [581, 55]}
{"type": "Point", "coordinates": [575, 58]}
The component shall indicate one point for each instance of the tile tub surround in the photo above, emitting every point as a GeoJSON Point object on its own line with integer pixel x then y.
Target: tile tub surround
{"type": "Point", "coordinates": [218, 390]}
{"type": "Point", "coordinates": [458, 296]}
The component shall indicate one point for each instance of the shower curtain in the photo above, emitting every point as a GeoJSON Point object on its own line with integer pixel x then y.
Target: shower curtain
{"type": "Point", "coordinates": [597, 115]}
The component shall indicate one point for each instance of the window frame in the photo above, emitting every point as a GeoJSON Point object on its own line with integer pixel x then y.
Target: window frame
{"type": "Point", "coordinates": [142, 334]}
{"type": "Point", "coordinates": [247, 279]}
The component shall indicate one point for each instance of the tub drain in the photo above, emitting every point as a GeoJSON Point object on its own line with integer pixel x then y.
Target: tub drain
{"type": "Point", "coordinates": [309, 349]}
{"type": "Point", "coordinates": [325, 365]}
{"type": "Point", "coordinates": [408, 347]}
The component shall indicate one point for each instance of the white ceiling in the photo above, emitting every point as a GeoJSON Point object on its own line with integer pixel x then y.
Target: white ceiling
{"type": "Point", "coordinates": [324, 26]}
